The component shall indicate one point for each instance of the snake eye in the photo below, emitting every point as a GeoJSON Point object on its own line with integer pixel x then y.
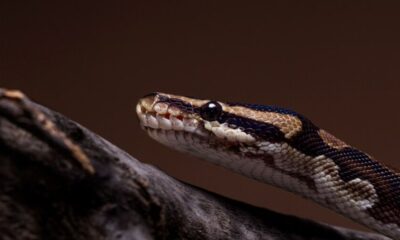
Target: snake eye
{"type": "Point", "coordinates": [211, 111]}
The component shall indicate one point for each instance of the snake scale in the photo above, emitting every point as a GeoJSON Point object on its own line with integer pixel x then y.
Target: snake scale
{"type": "Point", "coordinates": [280, 147]}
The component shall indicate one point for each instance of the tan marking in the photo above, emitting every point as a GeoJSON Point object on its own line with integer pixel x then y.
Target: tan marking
{"type": "Point", "coordinates": [14, 94]}
{"type": "Point", "coordinates": [331, 140]}
{"type": "Point", "coordinates": [51, 129]}
{"type": "Point", "coordinates": [147, 103]}
{"type": "Point", "coordinates": [174, 111]}
{"type": "Point", "coordinates": [76, 151]}
{"type": "Point", "coordinates": [161, 108]}
{"type": "Point", "coordinates": [289, 125]}
{"type": "Point", "coordinates": [194, 102]}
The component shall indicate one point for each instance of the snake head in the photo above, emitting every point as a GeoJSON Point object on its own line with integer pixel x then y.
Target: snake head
{"type": "Point", "coordinates": [200, 125]}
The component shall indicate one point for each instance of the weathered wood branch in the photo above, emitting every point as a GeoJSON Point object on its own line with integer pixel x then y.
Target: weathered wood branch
{"type": "Point", "coordinates": [58, 180]}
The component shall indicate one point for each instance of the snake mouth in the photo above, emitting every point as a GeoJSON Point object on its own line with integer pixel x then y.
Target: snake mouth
{"type": "Point", "coordinates": [171, 126]}
{"type": "Point", "coordinates": [161, 116]}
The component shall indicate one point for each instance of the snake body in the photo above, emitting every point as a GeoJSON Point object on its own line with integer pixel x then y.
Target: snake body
{"type": "Point", "coordinates": [280, 147]}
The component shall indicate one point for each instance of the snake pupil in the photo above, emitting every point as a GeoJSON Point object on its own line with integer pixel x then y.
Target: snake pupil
{"type": "Point", "coordinates": [211, 111]}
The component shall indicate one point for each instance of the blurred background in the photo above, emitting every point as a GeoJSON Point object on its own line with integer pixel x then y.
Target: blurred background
{"type": "Point", "coordinates": [336, 62]}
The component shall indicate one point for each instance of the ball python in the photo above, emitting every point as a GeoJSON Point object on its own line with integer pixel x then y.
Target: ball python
{"type": "Point", "coordinates": [282, 148]}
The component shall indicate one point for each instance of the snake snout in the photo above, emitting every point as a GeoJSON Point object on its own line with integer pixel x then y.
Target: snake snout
{"type": "Point", "coordinates": [146, 103]}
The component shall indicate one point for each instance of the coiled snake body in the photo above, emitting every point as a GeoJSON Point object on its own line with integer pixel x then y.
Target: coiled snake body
{"type": "Point", "coordinates": [282, 148]}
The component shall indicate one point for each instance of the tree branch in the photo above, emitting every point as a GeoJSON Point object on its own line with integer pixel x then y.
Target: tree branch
{"type": "Point", "coordinates": [58, 180]}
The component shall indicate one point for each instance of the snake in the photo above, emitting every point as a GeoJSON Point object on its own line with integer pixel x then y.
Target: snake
{"type": "Point", "coordinates": [280, 147]}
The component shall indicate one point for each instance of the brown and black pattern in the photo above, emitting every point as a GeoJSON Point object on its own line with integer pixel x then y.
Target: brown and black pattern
{"type": "Point", "coordinates": [305, 137]}
{"type": "Point", "coordinates": [354, 164]}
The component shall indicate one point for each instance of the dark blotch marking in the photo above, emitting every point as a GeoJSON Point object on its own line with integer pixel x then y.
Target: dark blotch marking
{"type": "Point", "coordinates": [264, 108]}
{"type": "Point", "coordinates": [269, 161]}
{"type": "Point", "coordinates": [353, 164]}
{"type": "Point", "coordinates": [257, 129]}
{"type": "Point", "coordinates": [183, 106]}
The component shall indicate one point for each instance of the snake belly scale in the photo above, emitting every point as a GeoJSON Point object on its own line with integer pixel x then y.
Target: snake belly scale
{"type": "Point", "coordinates": [279, 147]}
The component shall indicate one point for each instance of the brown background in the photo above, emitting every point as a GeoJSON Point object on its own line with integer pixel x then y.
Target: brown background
{"type": "Point", "coordinates": [334, 61]}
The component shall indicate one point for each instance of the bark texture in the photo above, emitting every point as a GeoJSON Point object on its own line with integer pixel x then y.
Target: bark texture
{"type": "Point", "coordinates": [58, 180]}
